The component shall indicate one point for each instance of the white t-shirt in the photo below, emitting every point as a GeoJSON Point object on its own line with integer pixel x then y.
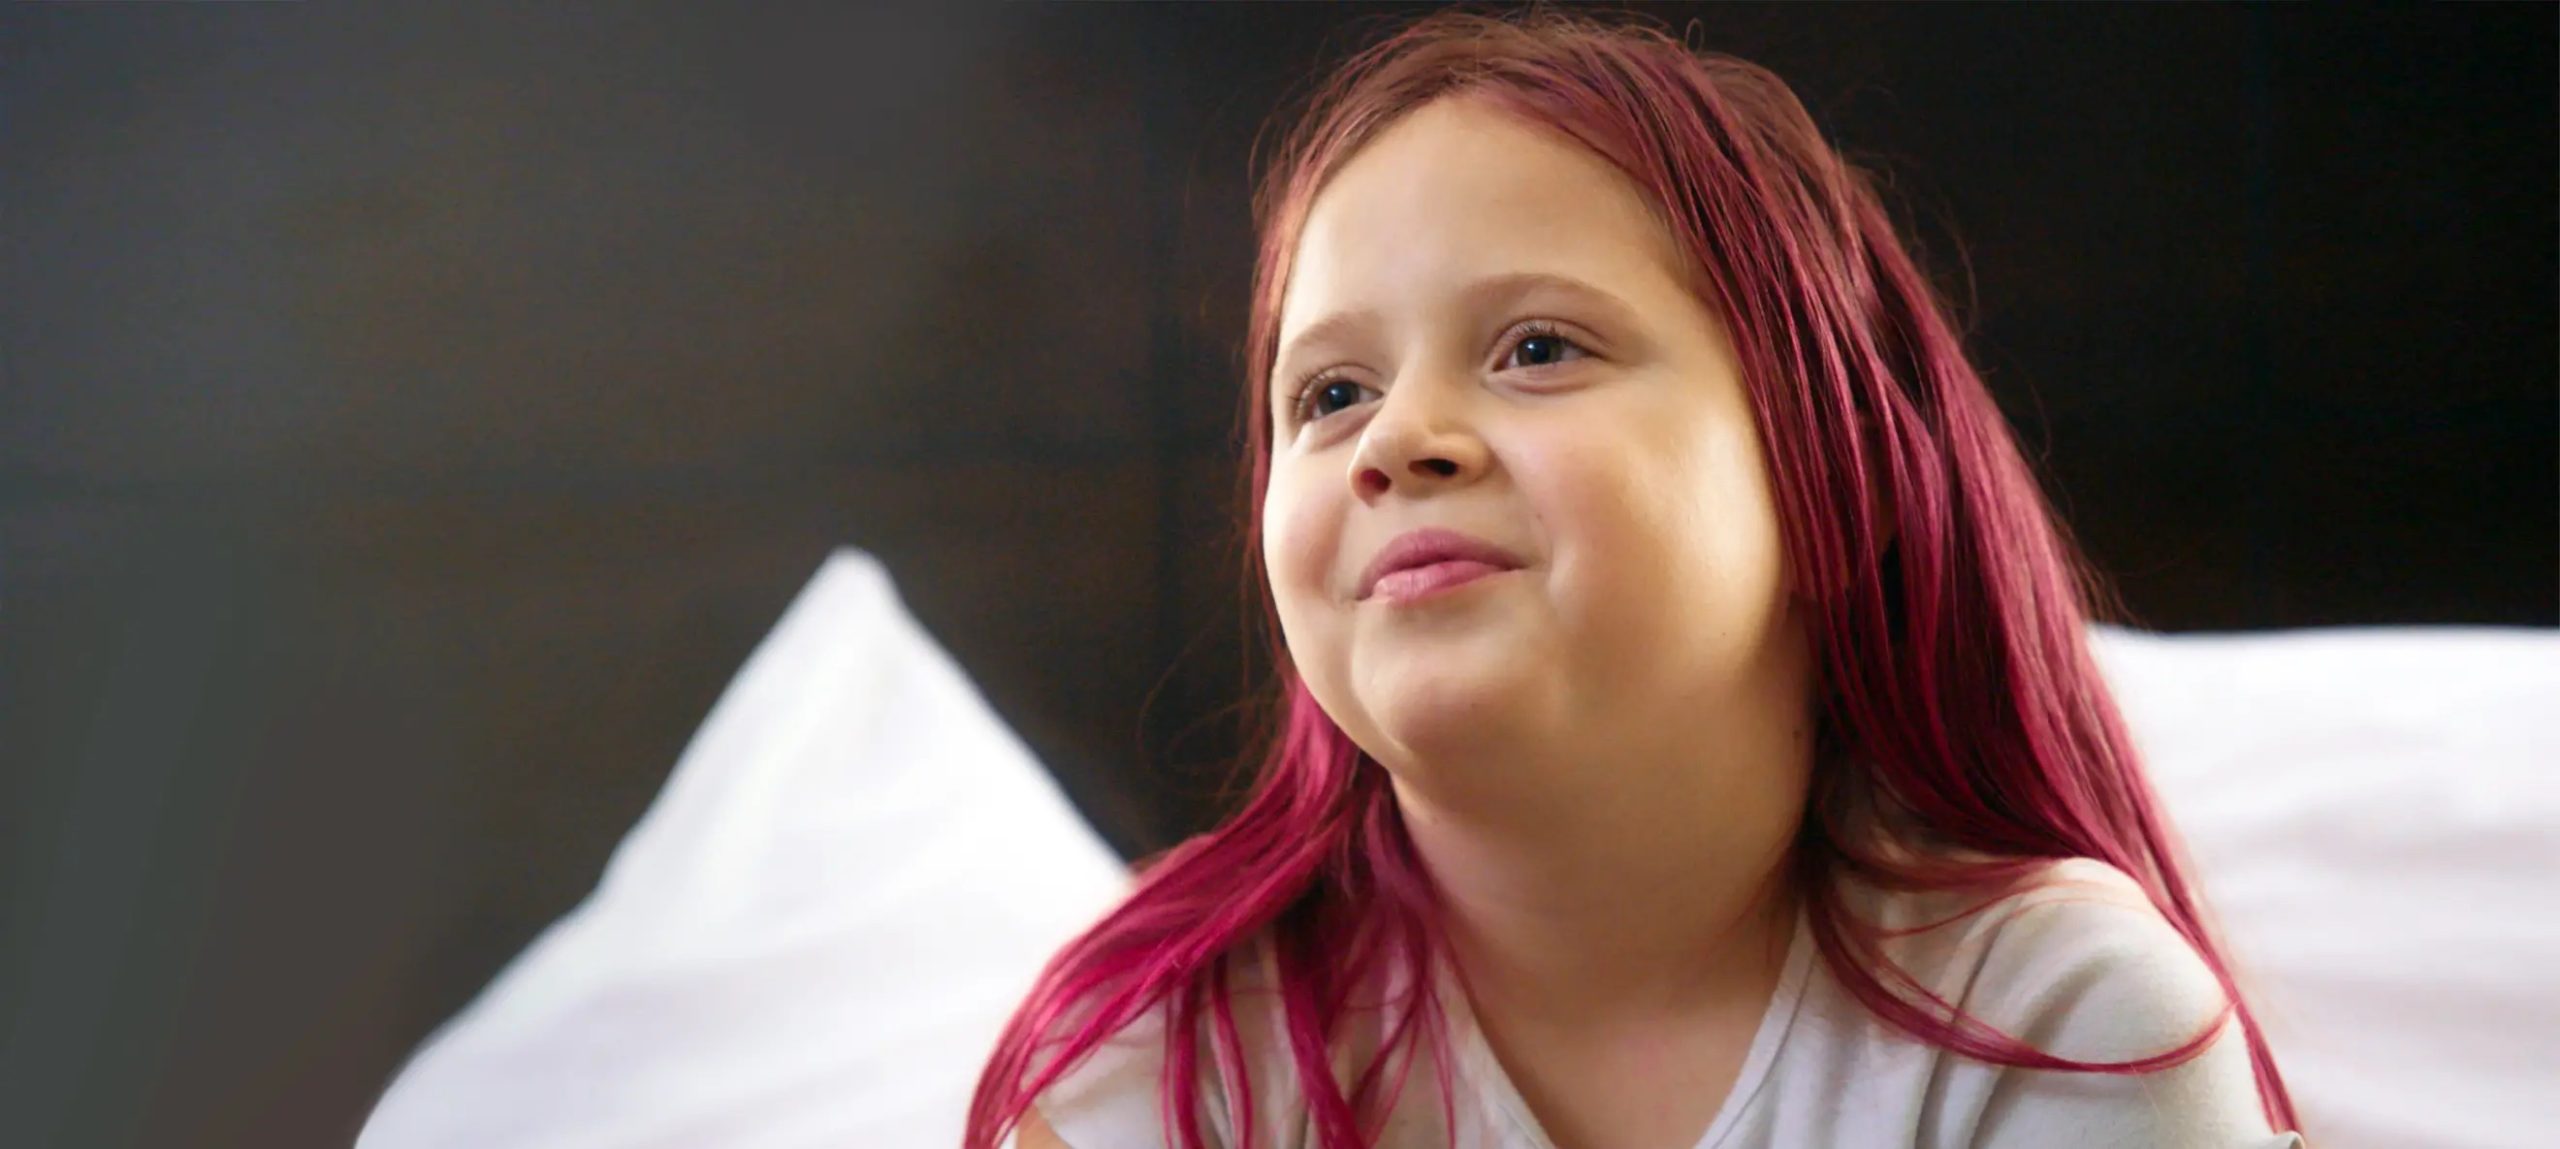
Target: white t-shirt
{"type": "Point", "coordinates": [2078, 964]}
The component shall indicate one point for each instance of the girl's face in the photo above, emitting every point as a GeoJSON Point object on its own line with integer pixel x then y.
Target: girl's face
{"type": "Point", "coordinates": [1503, 343]}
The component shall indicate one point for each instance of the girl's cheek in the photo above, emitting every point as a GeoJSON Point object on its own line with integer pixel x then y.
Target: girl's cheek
{"type": "Point", "coordinates": [1302, 535]}
{"type": "Point", "coordinates": [1557, 492]}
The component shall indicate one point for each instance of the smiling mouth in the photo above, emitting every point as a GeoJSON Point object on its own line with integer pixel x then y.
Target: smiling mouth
{"type": "Point", "coordinates": [1431, 580]}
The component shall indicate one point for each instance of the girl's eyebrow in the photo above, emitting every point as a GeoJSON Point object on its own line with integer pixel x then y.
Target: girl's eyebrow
{"type": "Point", "coordinates": [1511, 289]}
{"type": "Point", "coordinates": [1490, 292]}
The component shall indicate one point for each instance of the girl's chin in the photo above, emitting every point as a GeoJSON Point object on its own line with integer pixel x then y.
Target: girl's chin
{"type": "Point", "coordinates": [1449, 722]}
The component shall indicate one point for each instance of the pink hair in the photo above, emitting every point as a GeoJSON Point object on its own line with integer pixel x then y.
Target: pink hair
{"type": "Point", "coordinates": [1962, 714]}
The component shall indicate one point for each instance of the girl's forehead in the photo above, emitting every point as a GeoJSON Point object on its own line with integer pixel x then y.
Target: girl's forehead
{"type": "Point", "coordinates": [1458, 191]}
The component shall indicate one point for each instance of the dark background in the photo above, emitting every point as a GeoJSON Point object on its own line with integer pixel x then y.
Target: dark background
{"type": "Point", "coordinates": [409, 420]}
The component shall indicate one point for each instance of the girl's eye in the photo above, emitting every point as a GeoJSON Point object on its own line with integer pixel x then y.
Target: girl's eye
{"type": "Point", "coordinates": [1312, 402]}
{"type": "Point", "coordinates": [1540, 347]}
{"type": "Point", "coordinates": [1536, 346]}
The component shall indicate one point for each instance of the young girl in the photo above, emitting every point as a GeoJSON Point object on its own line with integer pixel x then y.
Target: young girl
{"type": "Point", "coordinates": [1687, 734]}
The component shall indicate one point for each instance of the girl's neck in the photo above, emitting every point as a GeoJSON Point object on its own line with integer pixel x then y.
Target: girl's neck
{"type": "Point", "coordinates": [1648, 911]}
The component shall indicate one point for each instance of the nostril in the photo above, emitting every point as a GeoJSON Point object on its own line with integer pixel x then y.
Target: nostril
{"type": "Point", "coordinates": [1441, 467]}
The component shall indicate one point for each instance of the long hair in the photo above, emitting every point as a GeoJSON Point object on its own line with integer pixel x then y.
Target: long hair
{"type": "Point", "coordinates": [1961, 713]}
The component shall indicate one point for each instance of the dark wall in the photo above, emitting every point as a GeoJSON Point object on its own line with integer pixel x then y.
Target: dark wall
{"type": "Point", "coordinates": [408, 421]}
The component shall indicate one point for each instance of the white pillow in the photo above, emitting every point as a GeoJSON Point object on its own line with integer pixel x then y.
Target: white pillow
{"type": "Point", "coordinates": [855, 870]}
{"type": "Point", "coordinates": [812, 937]}
{"type": "Point", "coordinates": [2375, 817]}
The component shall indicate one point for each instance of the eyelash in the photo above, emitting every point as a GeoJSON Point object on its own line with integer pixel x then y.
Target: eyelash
{"type": "Point", "coordinates": [1533, 329]}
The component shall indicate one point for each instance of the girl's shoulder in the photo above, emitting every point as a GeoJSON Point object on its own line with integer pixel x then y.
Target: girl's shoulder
{"type": "Point", "coordinates": [2072, 957]}
{"type": "Point", "coordinates": [1114, 1096]}
{"type": "Point", "coordinates": [1110, 1097]}
{"type": "Point", "coordinates": [1115, 1099]}
{"type": "Point", "coordinates": [2075, 960]}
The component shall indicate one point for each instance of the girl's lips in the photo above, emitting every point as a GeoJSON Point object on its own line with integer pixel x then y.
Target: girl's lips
{"type": "Point", "coordinates": [1413, 584]}
{"type": "Point", "coordinates": [1429, 545]}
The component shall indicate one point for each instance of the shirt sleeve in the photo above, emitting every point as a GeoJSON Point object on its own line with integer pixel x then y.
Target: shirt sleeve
{"type": "Point", "coordinates": [2095, 973]}
{"type": "Point", "coordinates": [1114, 1098]}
